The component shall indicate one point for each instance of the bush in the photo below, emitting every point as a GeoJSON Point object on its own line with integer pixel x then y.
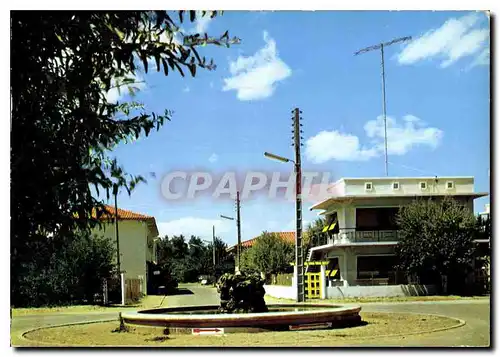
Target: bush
{"type": "Point", "coordinates": [65, 271]}
{"type": "Point", "coordinates": [240, 293]}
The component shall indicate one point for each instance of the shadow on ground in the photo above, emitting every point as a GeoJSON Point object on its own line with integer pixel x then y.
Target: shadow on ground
{"type": "Point", "coordinates": [180, 291]}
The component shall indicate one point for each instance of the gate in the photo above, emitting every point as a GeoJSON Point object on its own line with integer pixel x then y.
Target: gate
{"type": "Point", "coordinates": [312, 285]}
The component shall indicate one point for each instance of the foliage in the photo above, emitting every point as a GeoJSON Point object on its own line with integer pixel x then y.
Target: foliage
{"type": "Point", "coordinates": [269, 254]}
{"type": "Point", "coordinates": [484, 227]}
{"type": "Point", "coordinates": [313, 235]}
{"type": "Point", "coordinates": [63, 125]}
{"type": "Point", "coordinates": [436, 239]}
{"type": "Point", "coordinates": [187, 261]}
{"type": "Point", "coordinates": [241, 293]}
{"type": "Point", "coordinates": [67, 271]}
{"type": "Point", "coordinates": [283, 279]}
{"type": "Point", "coordinates": [247, 260]}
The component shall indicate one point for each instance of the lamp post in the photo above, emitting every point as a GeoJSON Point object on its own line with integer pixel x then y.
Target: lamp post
{"type": "Point", "coordinates": [299, 258]}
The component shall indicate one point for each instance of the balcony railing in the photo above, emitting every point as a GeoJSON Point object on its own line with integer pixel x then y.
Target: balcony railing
{"type": "Point", "coordinates": [355, 236]}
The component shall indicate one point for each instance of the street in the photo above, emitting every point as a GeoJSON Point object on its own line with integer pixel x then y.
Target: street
{"type": "Point", "coordinates": [476, 314]}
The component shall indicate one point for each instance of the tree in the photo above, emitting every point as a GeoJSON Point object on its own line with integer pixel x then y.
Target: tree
{"type": "Point", "coordinates": [436, 241]}
{"type": "Point", "coordinates": [63, 125]}
{"type": "Point", "coordinates": [247, 261]}
{"type": "Point", "coordinates": [313, 235]}
{"type": "Point", "coordinates": [224, 262]}
{"type": "Point", "coordinates": [67, 271]}
{"type": "Point", "coordinates": [269, 254]}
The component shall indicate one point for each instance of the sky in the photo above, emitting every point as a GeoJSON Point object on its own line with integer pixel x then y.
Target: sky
{"type": "Point", "coordinates": [437, 95]}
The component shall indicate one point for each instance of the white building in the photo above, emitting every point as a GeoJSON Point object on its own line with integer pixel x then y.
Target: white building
{"type": "Point", "coordinates": [356, 257]}
{"type": "Point", "coordinates": [363, 212]}
{"type": "Point", "coordinates": [138, 235]}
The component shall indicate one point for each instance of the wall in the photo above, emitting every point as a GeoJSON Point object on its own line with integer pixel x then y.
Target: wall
{"type": "Point", "coordinates": [133, 247]}
{"type": "Point", "coordinates": [289, 292]}
{"type": "Point", "coordinates": [379, 291]}
{"type": "Point", "coordinates": [348, 268]}
{"type": "Point", "coordinates": [280, 291]}
{"type": "Point", "coordinates": [408, 186]}
{"type": "Point", "coordinates": [347, 213]}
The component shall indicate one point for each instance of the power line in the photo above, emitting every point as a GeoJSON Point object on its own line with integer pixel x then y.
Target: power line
{"type": "Point", "coordinates": [415, 169]}
{"type": "Point", "coordinates": [381, 47]}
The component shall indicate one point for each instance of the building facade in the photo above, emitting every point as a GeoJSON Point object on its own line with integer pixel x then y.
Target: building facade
{"type": "Point", "coordinates": [138, 234]}
{"type": "Point", "coordinates": [357, 254]}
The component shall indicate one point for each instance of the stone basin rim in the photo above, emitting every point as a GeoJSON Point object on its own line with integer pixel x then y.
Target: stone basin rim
{"type": "Point", "coordinates": [322, 310]}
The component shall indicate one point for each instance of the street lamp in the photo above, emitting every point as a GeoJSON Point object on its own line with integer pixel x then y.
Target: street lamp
{"type": "Point", "coordinates": [298, 233]}
{"type": "Point", "coordinates": [277, 157]}
{"type": "Point", "coordinates": [299, 258]}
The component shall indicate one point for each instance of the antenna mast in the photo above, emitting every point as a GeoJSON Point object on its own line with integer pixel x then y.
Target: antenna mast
{"type": "Point", "coordinates": [381, 47]}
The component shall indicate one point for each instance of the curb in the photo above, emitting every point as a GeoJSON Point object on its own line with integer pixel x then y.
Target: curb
{"type": "Point", "coordinates": [460, 323]}
{"type": "Point", "coordinates": [22, 336]}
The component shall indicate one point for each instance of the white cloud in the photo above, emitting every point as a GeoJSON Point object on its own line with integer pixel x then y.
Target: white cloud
{"type": "Point", "coordinates": [193, 226]}
{"type": "Point", "coordinates": [455, 39]}
{"type": "Point", "coordinates": [255, 77]}
{"type": "Point", "coordinates": [335, 145]}
{"type": "Point", "coordinates": [213, 158]}
{"type": "Point", "coordinates": [201, 23]}
{"type": "Point", "coordinates": [119, 91]}
{"type": "Point", "coordinates": [328, 145]}
{"type": "Point", "coordinates": [482, 59]}
{"type": "Point", "coordinates": [401, 138]}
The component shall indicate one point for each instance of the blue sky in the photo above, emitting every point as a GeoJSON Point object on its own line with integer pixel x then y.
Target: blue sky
{"type": "Point", "coordinates": [437, 106]}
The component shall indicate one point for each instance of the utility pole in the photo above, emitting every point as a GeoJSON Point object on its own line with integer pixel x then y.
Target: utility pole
{"type": "Point", "coordinates": [299, 258]}
{"type": "Point", "coordinates": [117, 236]}
{"type": "Point", "coordinates": [213, 251]}
{"type": "Point", "coordinates": [213, 245]}
{"type": "Point", "coordinates": [381, 47]}
{"type": "Point", "coordinates": [238, 225]}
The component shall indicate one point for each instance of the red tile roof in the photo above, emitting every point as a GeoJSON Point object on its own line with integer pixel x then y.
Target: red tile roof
{"type": "Point", "coordinates": [288, 237]}
{"type": "Point", "coordinates": [122, 215]}
{"type": "Point", "coordinates": [126, 215]}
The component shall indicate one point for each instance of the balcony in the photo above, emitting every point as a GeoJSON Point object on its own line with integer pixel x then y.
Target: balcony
{"type": "Point", "coordinates": [354, 236]}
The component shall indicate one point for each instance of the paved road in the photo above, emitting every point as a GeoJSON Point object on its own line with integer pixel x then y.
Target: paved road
{"type": "Point", "coordinates": [200, 296]}
{"type": "Point", "coordinates": [476, 314]}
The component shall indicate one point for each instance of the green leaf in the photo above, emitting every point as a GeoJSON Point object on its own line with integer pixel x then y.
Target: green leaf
{"type": "Point", "coordinates": [179, 68]}
{"type": "Point", "coordinates": [192, 69]}
{"type": "Point", "coordinates": [157, 58]}
{"type": "Point", "coordinates": [145, 62]}
{"type": "Point", "coordinates": [165, 66]}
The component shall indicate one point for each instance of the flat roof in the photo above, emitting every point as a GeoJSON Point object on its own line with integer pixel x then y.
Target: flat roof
{"type": "Point", "coordinates": [407, 178]}
{"type": "Point", "coordinates": [349, 198]}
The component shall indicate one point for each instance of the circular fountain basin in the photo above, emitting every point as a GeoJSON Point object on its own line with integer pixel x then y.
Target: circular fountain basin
{"type": "Point", "coordinates": [279, 316]}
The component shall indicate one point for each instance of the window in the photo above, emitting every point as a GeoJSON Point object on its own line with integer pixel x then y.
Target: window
{"type": "Point", "coordinates": [368, 186]}
{"type": "Point", "coordinates": [333, 269]}
{"type": "Point", "coordinates": [375, 266]}
{"type": "Point", "coordinates": [449, 185]}
{"type": "Point", "coordinates": [423, 186]}
{"type": "Point", "coordinates": [332, 225]}
{"type": "Point", "coordinates": [395, 186]}
{"type": "Point", "coordinates": [372, 219]}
